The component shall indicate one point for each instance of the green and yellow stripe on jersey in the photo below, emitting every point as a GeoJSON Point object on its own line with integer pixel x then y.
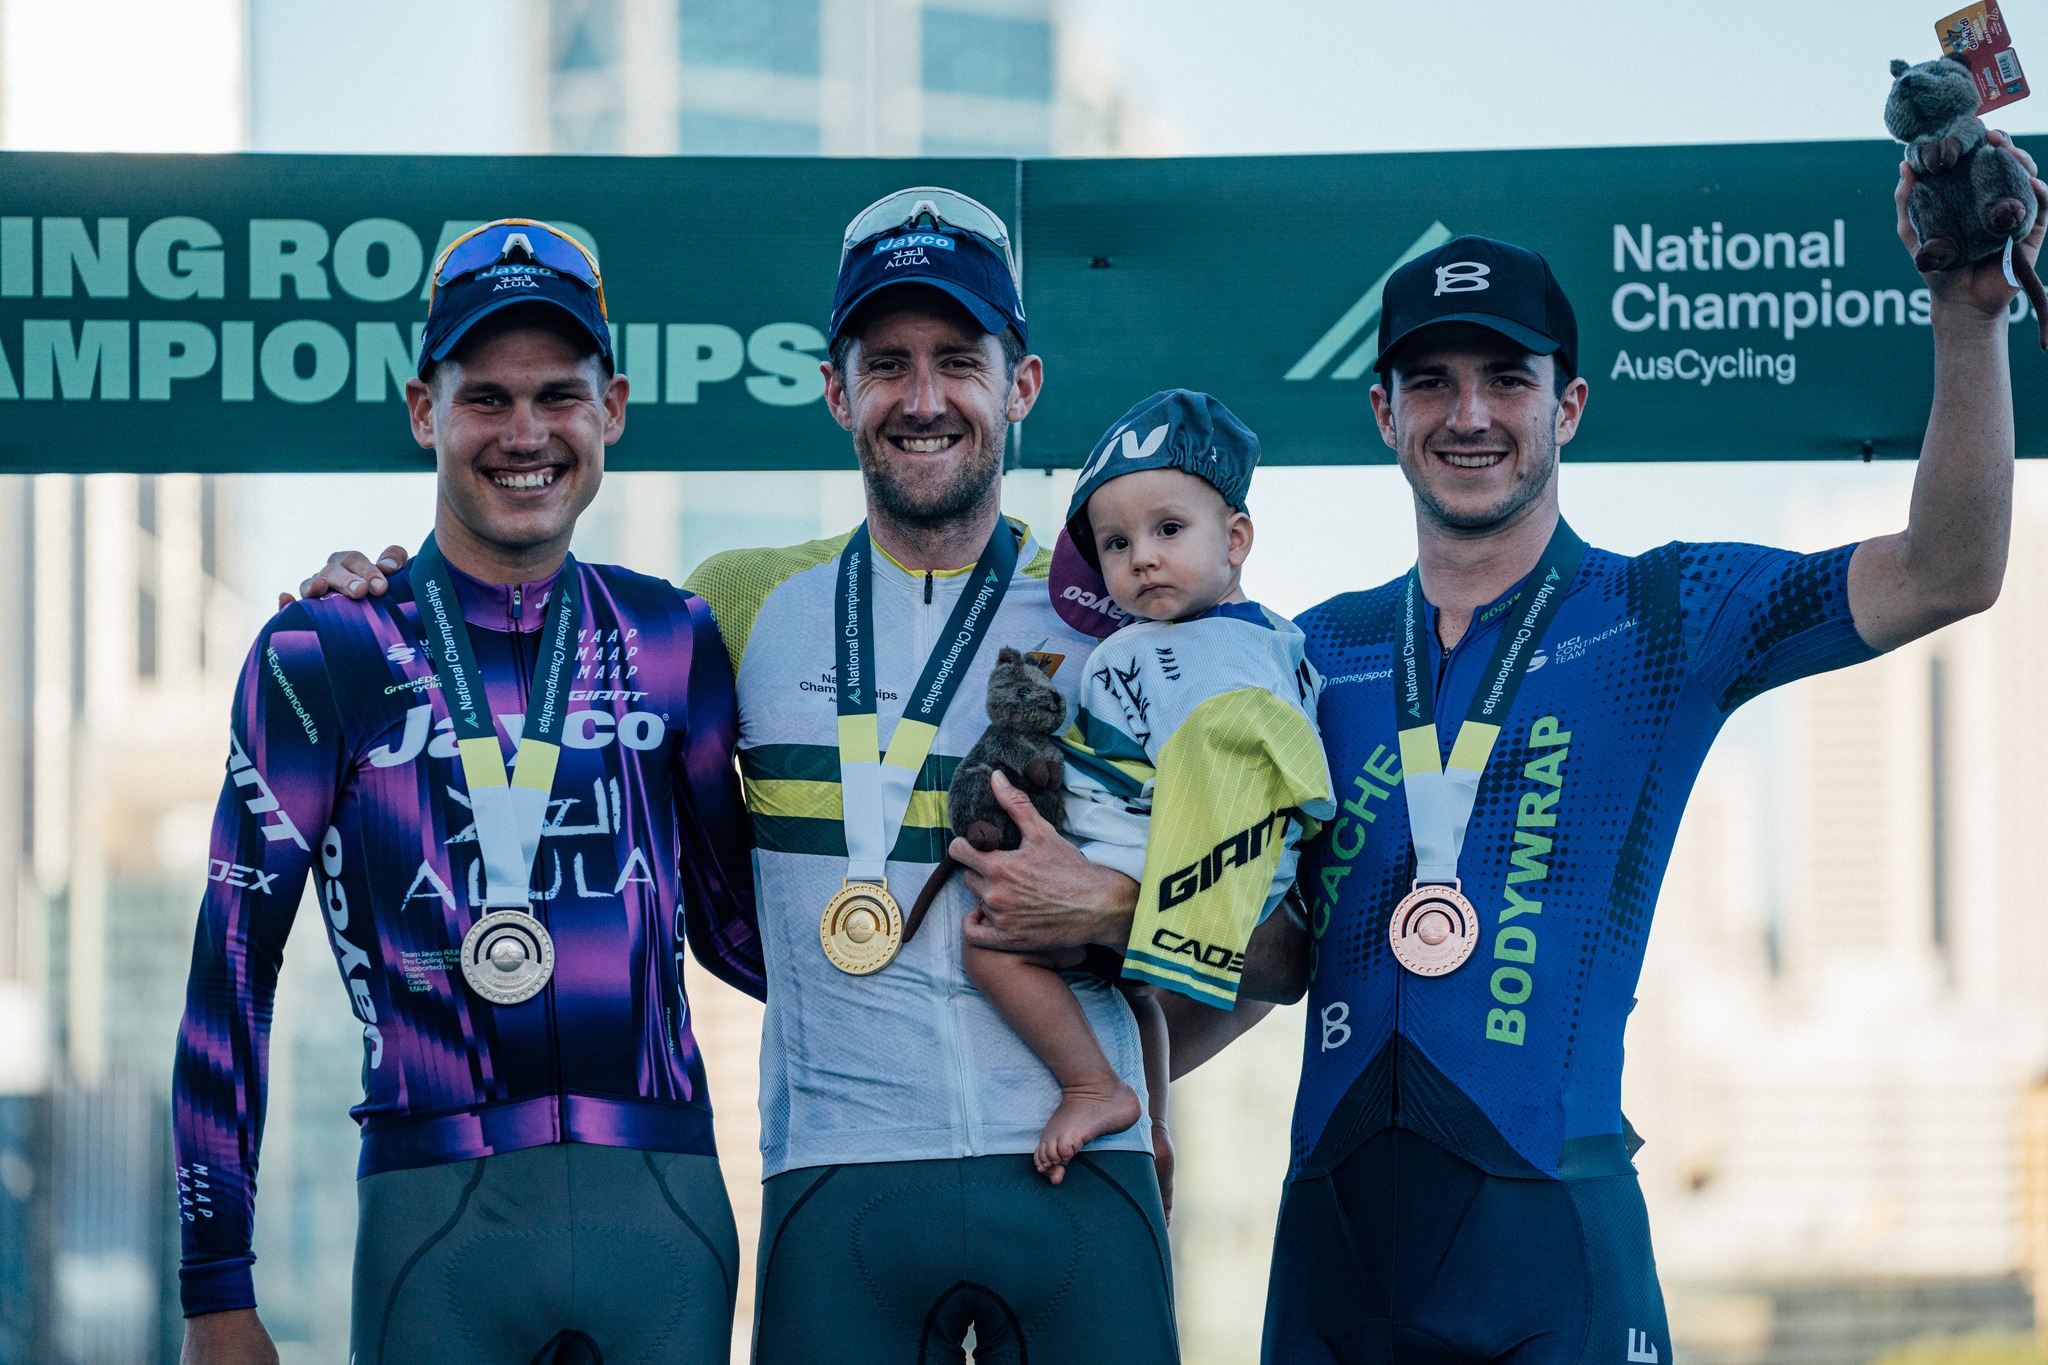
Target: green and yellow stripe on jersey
{"type": "Point", "coordinates": [876, 788]}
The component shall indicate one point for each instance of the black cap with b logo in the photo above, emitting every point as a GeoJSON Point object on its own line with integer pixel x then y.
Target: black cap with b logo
{"type": "Point", "coordinates": [1506, 288]}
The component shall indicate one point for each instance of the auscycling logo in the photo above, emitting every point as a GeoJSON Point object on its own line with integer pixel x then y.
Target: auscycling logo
{"type": "Point", "coordinates": [1361, 317]}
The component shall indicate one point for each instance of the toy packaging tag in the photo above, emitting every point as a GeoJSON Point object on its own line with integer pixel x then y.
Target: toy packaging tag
{"type": "Point", "coordinates": [1979, 36]}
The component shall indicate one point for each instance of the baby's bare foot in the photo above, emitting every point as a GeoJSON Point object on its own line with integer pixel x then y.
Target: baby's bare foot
{"type": "Point", "coordinates": [1086, 1113]}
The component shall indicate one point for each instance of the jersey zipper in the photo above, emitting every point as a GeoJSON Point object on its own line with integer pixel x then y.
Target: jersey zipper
{"type": "Point", "coordinates": [1443, 673]}
{"type": "Point", "coordinates": [927, 587]}
{"type": "Point", "coordinates": [522, 674]}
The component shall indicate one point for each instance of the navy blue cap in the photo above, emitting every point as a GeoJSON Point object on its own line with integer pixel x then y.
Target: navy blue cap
{"type": "Point", "coordinates": [463, 302]}
{"type": "Point", "coordinates": [1173, 429]}
{"type": "Point", "coordinates": [958, 263]}
{"type": "Point", "coordinates": [1497, 285]}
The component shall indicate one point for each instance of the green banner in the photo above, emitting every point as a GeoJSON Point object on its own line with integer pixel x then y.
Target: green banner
{"type": "Point", "coordinates": [261, 312]}
{"type": "Point", "coordinates": [1734, 302]}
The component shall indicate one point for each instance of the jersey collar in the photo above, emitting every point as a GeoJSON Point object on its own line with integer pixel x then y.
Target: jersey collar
{"type": "Point", "coordinates": [1249, 612]}
{"type": "Point", "coordinates": [1027, 550]}
{"type": "Point", "coordinates": [1497, 608]}
{"type": "Point", "coordinates": [488, 606]}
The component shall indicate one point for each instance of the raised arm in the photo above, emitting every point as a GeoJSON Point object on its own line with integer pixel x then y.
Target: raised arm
{"type": "Point", "coordinates": [1949, 562]}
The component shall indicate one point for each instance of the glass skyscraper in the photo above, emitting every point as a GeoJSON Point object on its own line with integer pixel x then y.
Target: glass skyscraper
{"type": "Point", "coordinates": [803, 77]}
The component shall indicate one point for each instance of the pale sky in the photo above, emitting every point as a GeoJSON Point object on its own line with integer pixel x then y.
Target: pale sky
{"type": "Point", "coordinates": [1226, 76]}
{"type": "Point", "coordinates": [1328, 76]}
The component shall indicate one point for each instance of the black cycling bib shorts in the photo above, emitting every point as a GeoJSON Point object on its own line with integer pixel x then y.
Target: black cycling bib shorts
{"type": "Point", "coordinates": [891, 1264]}
{"type": "Point", "coordinates": [568, 1254]}
{"type": "Point", "coordinates": [1406, 1253]}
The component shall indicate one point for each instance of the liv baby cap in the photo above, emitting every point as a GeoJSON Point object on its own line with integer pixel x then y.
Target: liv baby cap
{"type": "Point", "coordinates": [1174, 429]}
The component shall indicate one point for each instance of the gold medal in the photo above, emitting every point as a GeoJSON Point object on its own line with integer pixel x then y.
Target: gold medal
{"type": "Point", "coordinates": [1434, 929]}
{"type": "Point", "coordinates": [862, 928]}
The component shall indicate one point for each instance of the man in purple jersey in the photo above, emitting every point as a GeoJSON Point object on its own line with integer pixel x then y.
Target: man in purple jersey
{"type": "Point", "coordinates": [510, 777]}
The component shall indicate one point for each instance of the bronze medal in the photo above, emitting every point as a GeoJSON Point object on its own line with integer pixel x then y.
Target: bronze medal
{"type": "Point", "coordinates": [862, 928]}
{"type": "Point", "coordinates": [1434, 929]}
{"type": "Point", "coordinates": [507, 957]}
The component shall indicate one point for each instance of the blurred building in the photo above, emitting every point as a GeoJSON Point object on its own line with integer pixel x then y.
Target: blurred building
{"type": "Point", "coordinates": [830, 78]}
{"type": "Point", "coordinates": [1843, 1024]}
{"type": "Point", "coordinates": [127, 639]}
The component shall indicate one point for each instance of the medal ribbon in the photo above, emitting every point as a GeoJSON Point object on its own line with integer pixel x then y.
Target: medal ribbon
{"type": "Point", "coordinates": [1440, 797]}
{"type": "Point", "coordinates": [509, 814]}
{"type": "Point", "coordinates": [875, 788]}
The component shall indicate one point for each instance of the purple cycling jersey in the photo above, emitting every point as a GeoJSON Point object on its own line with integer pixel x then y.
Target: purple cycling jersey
{"type": "Point", "coordinates": [342, 763]}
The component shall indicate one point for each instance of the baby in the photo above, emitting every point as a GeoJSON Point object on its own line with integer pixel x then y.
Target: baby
{"type": "Point", "coordinates": [1192, 765]}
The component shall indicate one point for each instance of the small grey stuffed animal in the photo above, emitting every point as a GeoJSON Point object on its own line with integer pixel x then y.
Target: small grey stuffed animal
{"type": "Point", "coordinates": [1025, 711]}
{"type": "Point", "coordinates": [1971, 198]}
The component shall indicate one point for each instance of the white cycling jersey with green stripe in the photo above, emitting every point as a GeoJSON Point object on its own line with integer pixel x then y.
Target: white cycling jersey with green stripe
{"type": "Point", "coordinates": [909, 1063]}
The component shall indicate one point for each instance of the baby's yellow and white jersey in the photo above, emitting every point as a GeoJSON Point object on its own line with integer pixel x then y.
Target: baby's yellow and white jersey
{"type": "Point", "coordinates": [909, 1063]}
{"type": "Point", "coordinates": [1191, 767]}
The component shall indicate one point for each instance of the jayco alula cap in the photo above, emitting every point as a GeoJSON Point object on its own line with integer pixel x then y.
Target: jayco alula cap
{"type": "Point", "coordinates": [462, 303]}
{"type": "Point", "coordinates": [956, 263]}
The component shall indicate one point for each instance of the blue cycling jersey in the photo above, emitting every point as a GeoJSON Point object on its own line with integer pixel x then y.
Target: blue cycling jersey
{"type": "Point", "coordinates": [1513, 1061]}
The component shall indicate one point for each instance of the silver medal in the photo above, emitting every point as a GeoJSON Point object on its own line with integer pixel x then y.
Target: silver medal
{"type": "Point", "coordinates": [507, 957]}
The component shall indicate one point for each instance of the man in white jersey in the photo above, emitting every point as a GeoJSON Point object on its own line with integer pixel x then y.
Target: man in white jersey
{"type": "Point", "coordinates": [898, 1110]}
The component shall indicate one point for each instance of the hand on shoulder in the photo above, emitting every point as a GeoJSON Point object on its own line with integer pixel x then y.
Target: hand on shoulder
{"type": "Point", "coordinates": [350, 573]}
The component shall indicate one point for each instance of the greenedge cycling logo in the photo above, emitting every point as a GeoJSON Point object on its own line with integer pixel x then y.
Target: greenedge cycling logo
{"type": "Point", "coordinates": [70, 265]}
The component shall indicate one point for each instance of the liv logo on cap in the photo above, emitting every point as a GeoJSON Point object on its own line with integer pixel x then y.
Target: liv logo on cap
{"type": "Point", "coordinates": [1173, 429]}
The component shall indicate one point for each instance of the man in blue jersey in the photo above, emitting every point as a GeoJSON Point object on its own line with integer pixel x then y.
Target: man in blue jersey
{"type": "Point", "coordinates": [1512, 730]}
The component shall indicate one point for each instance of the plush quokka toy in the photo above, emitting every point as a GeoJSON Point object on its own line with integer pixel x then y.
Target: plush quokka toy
{"type": "Point", "coordinates": [1025, 711]}
{"type": "Point", "coordinates": [1971, 198]}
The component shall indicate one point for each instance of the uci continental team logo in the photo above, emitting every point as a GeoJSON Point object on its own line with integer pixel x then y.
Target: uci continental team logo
{"type": "Point", "coordinates": [1353, 341]}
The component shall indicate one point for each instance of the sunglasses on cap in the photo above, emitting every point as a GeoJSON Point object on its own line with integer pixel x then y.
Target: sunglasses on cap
{"type": "Point", "coordinates": [928, 207]}
{"type": "Point", "coordinates": [484, 247]}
